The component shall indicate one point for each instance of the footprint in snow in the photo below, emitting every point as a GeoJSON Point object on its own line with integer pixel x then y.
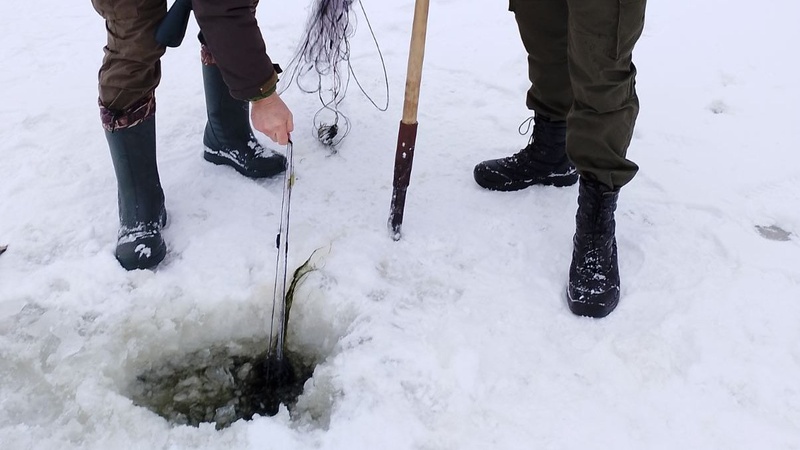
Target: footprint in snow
{"type": "Point", "coordinates": [774, 233]}
{"type": "Point", "coordinates": [719, 107]}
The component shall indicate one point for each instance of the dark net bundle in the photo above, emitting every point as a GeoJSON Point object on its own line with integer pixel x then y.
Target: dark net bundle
{"type": "Point", "coordinates": [322, 65]}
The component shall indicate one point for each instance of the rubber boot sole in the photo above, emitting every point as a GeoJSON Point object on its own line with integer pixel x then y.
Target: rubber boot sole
{"type": "Point", "coordinates": [129, 260]}
{"type": "Point", "coordinates": [157, 255]}
{"type": "Point", "coordinates": [222, 160]}
{"type": "Point", "coordinates": [597, 310]}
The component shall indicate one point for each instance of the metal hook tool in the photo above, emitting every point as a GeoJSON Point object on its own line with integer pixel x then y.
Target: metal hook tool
{"type": "Point", "coordinates": [281, 268]}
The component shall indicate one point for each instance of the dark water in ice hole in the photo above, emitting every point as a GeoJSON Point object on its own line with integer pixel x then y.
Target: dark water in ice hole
{"type": "Point", "coordinates": [220, 385]}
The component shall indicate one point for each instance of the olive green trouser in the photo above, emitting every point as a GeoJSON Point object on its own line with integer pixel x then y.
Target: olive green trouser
{"type": "Point", "coordinates": [581, 71]}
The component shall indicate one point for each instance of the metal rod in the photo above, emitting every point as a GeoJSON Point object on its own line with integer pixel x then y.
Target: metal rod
{"type": "Point", "coordinates": [281, 266]}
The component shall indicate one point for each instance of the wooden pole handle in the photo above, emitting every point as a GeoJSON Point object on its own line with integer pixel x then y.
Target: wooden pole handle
{"type": "Point", "coordinates": [416, 56]}
{"type": "Point", "coordinates": [407, 135]}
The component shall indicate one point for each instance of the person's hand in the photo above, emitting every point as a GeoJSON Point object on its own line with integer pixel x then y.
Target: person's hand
{"type": "Point", "coordinates": [272, 117]}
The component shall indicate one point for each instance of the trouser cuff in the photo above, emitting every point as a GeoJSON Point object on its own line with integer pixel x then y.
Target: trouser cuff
{"type": "Point", "coordinates": [206, 57]}
{"type": "Point", "coordinates": [136, 114]}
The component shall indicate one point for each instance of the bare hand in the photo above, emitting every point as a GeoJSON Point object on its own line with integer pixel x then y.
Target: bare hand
{"type": "Point", "coordinates": [272, 117]}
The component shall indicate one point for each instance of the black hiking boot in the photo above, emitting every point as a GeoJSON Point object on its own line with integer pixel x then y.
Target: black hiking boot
{"type": "Point", "coordinates": [593, 288]}
{"type": "Point", "coordinates": [140, 198]}
{"type": "Point", "coordinates": [543, 162]}
{"type": "Point", "coordinates": [228, 138]}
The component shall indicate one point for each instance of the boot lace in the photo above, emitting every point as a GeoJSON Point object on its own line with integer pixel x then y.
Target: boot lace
{"type": "Point", "coordinates": [546, 142]}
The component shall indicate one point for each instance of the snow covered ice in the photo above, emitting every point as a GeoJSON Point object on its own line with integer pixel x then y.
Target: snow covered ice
{"type": "Point", "coordinates": [458, 336]}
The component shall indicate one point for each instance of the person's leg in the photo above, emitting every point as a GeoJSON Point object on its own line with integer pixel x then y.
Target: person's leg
{"type": "Point", "coordinates": [142, 213]}
{"type": "Point", "coordinates": [131, 68]}
{"type": "Point", "coordinates": [228, 137]}
{"type": "Point", "coordinates": [127, 81]}
{"type": "Point", "coordinates": [602, 34]}
{"type": "Point", "coordinates": [543, 29]}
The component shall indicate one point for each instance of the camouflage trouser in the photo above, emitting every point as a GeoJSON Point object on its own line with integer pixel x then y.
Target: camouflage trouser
{"type": "Point", "coordinates": [581, 70]}
{"type": "Point", "coordinates": [131, 68]}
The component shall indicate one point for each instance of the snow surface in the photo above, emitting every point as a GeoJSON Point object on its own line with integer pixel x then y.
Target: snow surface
{"type": "Point", "coordinates": [457, 336]}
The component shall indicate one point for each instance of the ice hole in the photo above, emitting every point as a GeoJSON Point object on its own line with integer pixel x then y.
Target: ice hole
{"type": "Point", "coordinates": [220, 385]}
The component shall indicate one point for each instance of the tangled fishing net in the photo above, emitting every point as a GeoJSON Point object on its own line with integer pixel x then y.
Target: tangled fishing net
{"type": "Point", "coordinates": [322, 65]}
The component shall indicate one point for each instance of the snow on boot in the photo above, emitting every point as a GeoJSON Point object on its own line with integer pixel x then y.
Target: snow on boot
{"type": "Point", "coordinates": [140, 198]}
{"type": "Point", "coordinates": [543, 162]}
{"type": "Point", "coordinates": [593, 288]}
{"type": "Point", "coordinates": [228, 138]}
